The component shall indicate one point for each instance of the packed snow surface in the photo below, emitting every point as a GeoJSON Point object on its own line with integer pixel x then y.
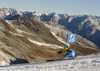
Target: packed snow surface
{"type": "Point", "coordinates": [82, 63]}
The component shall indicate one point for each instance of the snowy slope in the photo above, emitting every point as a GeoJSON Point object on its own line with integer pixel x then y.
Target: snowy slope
{"type": "Point", "coordinates": [83, 63]}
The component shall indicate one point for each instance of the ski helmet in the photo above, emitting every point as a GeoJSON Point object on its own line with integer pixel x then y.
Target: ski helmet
{"type": "Point", "coordinates": [68, 44]}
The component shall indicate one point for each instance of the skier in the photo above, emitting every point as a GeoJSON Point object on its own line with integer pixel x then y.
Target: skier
{"type": "Point", "coordinates": [70, 53]}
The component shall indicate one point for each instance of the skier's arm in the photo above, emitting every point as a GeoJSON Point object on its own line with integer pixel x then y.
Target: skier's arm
{"type": "Point", "coordinates": [63, 50]}
{"type": "Point", "coordinates": [60, 52]}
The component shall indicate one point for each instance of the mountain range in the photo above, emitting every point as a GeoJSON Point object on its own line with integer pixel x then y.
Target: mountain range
{"type": "Point", "coordinates": [86, 26]}
{"type": "Point", "coordinates": [36, 37]}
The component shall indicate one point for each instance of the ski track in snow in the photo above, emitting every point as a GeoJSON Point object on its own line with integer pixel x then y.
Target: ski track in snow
{"type": "Point", "coordinates": [82, 63]}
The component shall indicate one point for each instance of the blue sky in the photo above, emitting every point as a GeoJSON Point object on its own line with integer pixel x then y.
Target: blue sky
{"type": "Point", "coordinates": [71, 7]}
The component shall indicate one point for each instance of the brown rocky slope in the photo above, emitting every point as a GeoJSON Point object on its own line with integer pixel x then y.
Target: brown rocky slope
{"type": "Point", "coordinates": [15, 43]}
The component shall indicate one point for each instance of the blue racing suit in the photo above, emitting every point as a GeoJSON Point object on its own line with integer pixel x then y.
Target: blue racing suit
{"type": "Point", "coordinates": [70, 54]}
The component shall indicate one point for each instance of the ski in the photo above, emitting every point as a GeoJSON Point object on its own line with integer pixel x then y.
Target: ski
{"type": "Point", "coordinates": [61, 59]}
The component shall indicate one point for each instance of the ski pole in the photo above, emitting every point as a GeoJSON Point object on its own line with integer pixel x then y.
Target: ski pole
{"type": "Point", "coordinates": [56, 56]}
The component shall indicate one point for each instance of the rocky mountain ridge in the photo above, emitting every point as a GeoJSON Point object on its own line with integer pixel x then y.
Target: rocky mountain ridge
{"type": "Point", "coordinates": [20, 42]}
{"type": "Point", "coordinates": [86, 26]}
{"type": "Point", "coordinates": [24, 38]}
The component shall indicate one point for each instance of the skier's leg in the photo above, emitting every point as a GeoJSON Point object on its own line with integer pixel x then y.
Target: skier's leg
{"type": "Point", "coordinates": [70, 54]}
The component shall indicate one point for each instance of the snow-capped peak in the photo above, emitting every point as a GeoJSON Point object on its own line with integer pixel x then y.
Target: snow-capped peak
{"type": "Point", "coordinates": [36, 13]}
{"type": "Point", "coordinates": [4, 12]}
{"type": "Point", "coordinates": [8, 11]}
{"type": "Point", "coordinates": [51, 14]}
